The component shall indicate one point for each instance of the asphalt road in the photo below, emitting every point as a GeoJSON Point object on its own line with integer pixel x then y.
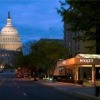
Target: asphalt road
{"type": "Point", "coordinates": [19, 89]}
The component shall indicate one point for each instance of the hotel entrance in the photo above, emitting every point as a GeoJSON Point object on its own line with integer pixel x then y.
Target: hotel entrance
{"type": "Point", "coordinates": [98, 73]}
{"type": "Point", "coordinates": [85, 67]}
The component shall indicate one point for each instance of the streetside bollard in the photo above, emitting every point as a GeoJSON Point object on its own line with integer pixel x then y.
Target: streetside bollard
{"type": "Point", "coordinates": [97, 91]}
{"type": "Point", "coordinates": [29, 77]}
{"type": "Point", "coordinates": [35, 79]}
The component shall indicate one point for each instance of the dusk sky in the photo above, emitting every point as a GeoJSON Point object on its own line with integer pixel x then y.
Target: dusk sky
{"type": "Point", "coordinates": [34, 19]}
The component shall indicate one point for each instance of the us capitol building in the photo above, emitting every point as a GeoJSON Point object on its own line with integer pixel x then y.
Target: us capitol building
{"type": "Point", "coordinates": [9, 43]}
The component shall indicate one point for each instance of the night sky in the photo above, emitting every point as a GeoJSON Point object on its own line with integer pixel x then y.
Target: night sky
{"type": "Point", "coordinates": [34, 19]}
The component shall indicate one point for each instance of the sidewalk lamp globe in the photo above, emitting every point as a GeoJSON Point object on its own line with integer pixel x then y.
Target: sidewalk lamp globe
{"type": "Point", "coordinates": [64, 62]}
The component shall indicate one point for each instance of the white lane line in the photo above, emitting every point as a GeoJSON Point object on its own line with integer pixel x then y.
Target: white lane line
{"type": "Point", "coordinates": [2, 82]}
{"type": "Point", "coordinates": [24, 94]}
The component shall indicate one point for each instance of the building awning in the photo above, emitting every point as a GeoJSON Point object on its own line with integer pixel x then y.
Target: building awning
{"type": "Point", "coordinates": [83, 60]}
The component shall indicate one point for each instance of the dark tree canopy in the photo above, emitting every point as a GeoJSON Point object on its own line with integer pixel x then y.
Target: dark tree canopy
{"type": "Point", "coordinates": [81, 15]}
{"type": "Point", "coordinates": [41, 55]}
{"type": "Point", "coordinates": [48, 53]}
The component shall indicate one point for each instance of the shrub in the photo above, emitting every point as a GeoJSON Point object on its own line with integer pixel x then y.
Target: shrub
{"type": "Point", "coordinates": [79, 82]}
{"type": "Point", "coordinates": [65, 80]}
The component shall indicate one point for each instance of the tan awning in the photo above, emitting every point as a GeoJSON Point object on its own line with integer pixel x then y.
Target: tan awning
{"type": "Point", "coordinates": [79, 60]}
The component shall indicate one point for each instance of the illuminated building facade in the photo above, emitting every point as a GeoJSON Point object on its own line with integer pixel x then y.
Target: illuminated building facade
{"type": "Point", "coordinates": [9, 43]}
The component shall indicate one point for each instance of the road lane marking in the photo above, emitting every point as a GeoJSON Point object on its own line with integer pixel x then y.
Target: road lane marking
{"type": "Point", "coordinates": [18, 86]}
{"type": "Point", "coordinates": [2, 82]}
{"type": "Point", "coordinates": [24, 94]}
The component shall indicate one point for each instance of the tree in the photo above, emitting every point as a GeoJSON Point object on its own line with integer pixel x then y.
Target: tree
{"type": "Point", "coordinates": [24, 58]}
{"type": "Point", "coordinates": [47, 54]}
{"type": "Point", "coordinates": [26, 47]}
{"type": "Point", "coordinates": [83, 16]}
{"type": "Point", "coordinates": [43, 55]}
{"type": "Point", "coordinates": [19, 59]}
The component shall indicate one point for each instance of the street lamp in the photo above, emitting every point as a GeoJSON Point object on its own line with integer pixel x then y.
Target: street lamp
{"type": "Point", "coordinates": [1, 66]}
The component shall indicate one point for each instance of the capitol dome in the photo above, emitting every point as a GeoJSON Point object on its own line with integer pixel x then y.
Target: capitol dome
{"type": "Point", "coordinates": [9, 29]}
{"type": "Point", "coordinates": [10, 43]}
{"type": "Point", "coordinates": [9, 38]}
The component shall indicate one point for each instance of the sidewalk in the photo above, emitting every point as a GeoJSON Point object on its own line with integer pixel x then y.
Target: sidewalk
{"type": "Point", "coordinates": [72, 88]}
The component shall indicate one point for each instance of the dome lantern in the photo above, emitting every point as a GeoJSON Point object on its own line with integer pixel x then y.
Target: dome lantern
{"type": "Point", "coordinates": [8, 14]}
{"type": "Point", "coordinates": [9, 29]}
{"type": "Point", "coordinates": [9, 20]}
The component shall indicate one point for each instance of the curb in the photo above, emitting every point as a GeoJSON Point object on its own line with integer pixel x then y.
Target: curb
{"type": "Point", "coordinates": [72, 93]}
{"type": "Point", "coordinates": [67, 93]}
{"type": "Point", "coordinates": [89, 96]}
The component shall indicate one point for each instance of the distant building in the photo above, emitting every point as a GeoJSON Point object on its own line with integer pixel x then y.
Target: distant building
{"type": "Point", "coordinates": [50, 40]}
{"type": "Point", "coordinates": [79, 47]}
{"type": "Point", "coordinates": [9, 43]}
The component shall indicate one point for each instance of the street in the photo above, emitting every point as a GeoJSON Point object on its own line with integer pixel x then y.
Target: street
{"type": "Point", "coordinates": [21, 89]}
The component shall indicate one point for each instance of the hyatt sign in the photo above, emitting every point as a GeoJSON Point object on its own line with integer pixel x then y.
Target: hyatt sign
{"type": "Point", "coordinates": [86, 60]}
